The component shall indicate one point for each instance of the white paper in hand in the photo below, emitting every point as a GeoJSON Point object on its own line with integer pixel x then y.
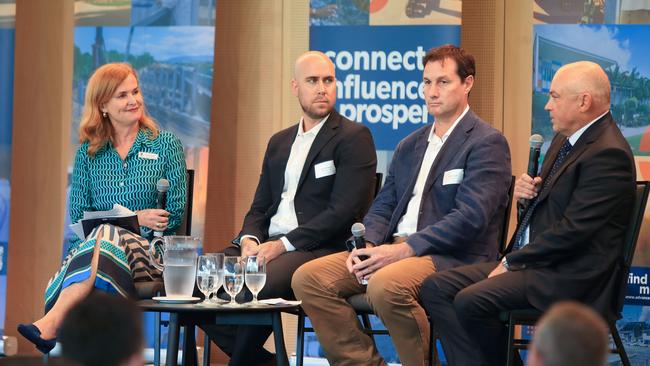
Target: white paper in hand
{"type": "Point", "coordinates": [280, 301]}
{"type": "Point", "coordinates": [117, 211]}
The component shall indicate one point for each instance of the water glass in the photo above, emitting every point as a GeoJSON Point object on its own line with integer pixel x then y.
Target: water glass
{"type": "Point", "coordinates": [233, 279]}
{"type": "Point", "coordinates": [219, 258]}
{"type": "Point", "coordinates": [255, 276]}
{"type": "Point", "coordinates": [206, 275]}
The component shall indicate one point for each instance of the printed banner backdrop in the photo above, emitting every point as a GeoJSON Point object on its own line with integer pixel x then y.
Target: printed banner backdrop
{"type": "Point", "coordinates": [377, 47]}
{"type": "Point", "coordinates": [379, 74]}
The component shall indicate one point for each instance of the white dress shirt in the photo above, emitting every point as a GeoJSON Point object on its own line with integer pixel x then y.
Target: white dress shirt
{"type": "Point", "coordinates": [285, 218]}
{"type": "Point", "coordinates": [409, 222]}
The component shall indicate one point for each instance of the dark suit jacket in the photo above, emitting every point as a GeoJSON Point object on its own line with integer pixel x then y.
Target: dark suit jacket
{"type": "Point", "coordinates": [578, 227]}
{"type": "Point", "coordinates": [325, 207]}
{"type": "Point", "coordinates": [457, 223]}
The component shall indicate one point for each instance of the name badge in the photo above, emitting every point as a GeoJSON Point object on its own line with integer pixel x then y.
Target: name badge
{"type": "Point", "coordinates": [454, 176]}
{"type": "Point", "coordinates": [148, 155]}
{"type": "Point", "coordinates": [324, 169]}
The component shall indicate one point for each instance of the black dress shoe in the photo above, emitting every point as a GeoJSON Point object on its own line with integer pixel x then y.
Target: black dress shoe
{"type": "Point", "coordinates": [31, 332]}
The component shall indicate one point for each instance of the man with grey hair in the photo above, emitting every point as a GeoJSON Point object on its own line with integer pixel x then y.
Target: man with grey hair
{"type": "Point", "coordinates": [569, 240]}
{"type": "Point", "coordinates": [569, 334]}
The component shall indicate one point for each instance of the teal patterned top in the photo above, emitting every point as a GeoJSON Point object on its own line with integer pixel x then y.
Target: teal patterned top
{"type": "Point", "coordinates": [99, 182]}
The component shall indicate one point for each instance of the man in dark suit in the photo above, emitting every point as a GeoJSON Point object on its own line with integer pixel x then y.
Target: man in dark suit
{"type": "Point", "coordinates": [569, 241]}
{"type": "Point", "coordinates": [317, 180]}
{"type": "Point", "coordinates": [441, 206]}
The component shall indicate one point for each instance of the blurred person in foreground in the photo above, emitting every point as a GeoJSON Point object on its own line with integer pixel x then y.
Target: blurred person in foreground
{"type": "Point", "coordinates": [569, 334]}
{"type": "Point", "coordinates": [103, 330]}
{"type": "Point", "coordinates": [122, 156]}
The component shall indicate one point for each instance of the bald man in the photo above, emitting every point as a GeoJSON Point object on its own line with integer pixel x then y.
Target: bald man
{"type": "Point", "coordinates": [318, 178]}
{"type": "Point", "coordinates": [569, 240]}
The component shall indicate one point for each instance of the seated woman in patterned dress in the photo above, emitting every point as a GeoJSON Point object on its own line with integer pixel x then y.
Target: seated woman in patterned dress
{"type": "Point", "coordinates": [122, 156]}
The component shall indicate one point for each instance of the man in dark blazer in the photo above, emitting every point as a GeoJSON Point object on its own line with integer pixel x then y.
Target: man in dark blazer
{"type": "Point", "coordinates": [441, 206]}
{"type": "Point", "coordinates": [317, 179]}
{"type": "Point", "coordinates": [569, 241]}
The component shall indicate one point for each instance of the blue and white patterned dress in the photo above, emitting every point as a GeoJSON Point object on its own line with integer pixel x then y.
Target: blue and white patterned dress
{"type": "Point", "coordinates": [99, 182]}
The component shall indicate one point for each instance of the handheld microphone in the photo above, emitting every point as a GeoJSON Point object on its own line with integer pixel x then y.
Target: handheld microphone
{"type": "Point", "coordinates": [162, 186]}
{"type": "Point", "coordinates": [536, 142]}
{"type": "Point", "coordinates": [358, 231]}
{"type": "Point", "coordinates": [359, 242]}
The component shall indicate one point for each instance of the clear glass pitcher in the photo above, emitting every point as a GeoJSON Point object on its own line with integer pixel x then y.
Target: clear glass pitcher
{"type": "Point", "coordinates": [179, 254]}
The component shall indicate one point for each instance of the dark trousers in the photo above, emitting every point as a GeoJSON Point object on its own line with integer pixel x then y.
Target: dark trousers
{"type": "Point", "coordinates": [465, 305]}
{"type": "Point", "coordinates": [244, 343]}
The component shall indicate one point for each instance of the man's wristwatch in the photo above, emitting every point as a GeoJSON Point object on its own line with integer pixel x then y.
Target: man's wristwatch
{"type": "Point", "coordinates": [504, 263]}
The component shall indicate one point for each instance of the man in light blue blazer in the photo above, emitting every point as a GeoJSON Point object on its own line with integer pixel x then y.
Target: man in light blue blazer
{"type": "Point", "coordinates": [441, 206]}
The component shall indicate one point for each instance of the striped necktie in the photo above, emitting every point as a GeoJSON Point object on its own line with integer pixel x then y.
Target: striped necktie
{"type": "Point", "coordinates": [559, 159]}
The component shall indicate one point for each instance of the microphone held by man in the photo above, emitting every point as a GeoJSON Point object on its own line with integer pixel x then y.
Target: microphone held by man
{"type": "Point", "coordinates": [358, 241]}
{"type": "Point", "coordinates": [536, 141]}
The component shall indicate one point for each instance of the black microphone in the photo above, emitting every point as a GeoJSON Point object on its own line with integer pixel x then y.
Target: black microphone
{"type": "Point", "coordinates": [358, 231]}
{"type": "Point", "coordinates": [359, 242]}
{"type": "Point", "coordinates": [536, 142]}
{"type": "Point", "coordinates": [162, 186]}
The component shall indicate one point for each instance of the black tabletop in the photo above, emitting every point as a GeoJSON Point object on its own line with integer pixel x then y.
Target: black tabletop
{"type": "Point", "coordinates": [151, 305]}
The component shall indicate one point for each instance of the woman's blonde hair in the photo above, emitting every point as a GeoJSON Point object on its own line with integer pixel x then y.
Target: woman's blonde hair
{"type": "Point", "coordinates": [95, 128]}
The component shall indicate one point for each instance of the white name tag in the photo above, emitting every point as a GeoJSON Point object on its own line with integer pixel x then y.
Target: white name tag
{"type": "Point", "coordinates": [148, 155]}
{"type": "Point", "coordinates": [454, 176]}
{"type": "Point", "coordinates": [324, 169]}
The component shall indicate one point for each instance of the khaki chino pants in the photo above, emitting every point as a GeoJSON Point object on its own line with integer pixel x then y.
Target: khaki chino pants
{"type": "Point", "coordinates": [393, 292]}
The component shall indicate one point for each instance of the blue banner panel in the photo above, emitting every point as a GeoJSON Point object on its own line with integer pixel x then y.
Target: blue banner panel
{"type": "Point", "coordinates": [638, 288]}
{"type": "Point", "coordinates": [379, 74]}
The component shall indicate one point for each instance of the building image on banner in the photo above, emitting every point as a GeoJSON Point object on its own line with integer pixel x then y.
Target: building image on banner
{"type": "Point", "coordinates": [592, 11]}
{"type": "Point", "coordinates": [622, 52]}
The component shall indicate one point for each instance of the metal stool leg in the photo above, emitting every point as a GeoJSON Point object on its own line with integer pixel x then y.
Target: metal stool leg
{"type": "Point", "coordinates": [620, 348]}
{"type": "Point", "coordinates": [300, 342]}
{"type": "Point", "coordinates": [206, 349]}
{"type": "Point", "coordinates": [156, 339]}
{"type": "Point", "coordinates": [511, 349]}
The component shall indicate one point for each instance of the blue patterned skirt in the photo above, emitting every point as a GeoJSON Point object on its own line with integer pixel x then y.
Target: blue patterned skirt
{"type": "Point", "coordinates": [123, 260]}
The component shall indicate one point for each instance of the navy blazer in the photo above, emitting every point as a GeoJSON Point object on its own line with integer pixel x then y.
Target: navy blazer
{"type": "Point", "coordinates": [457, 223]}
{"type": "Point", "coordinates": [326, 206]}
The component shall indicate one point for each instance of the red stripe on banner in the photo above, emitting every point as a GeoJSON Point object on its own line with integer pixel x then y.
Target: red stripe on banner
{"type": "Point", "coordinates": [377, 5]}
{"type": "Point", "coordinates": [644, 144]}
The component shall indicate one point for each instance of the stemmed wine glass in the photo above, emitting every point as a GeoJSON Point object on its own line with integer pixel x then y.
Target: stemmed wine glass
{"type": "Point", "coordinates": [219, 258]}
{"type": "Point", "coordinates": [233, 279]}
{"type": "Point", "coordinates": [255, 276]}
{"type": "Point", "coordinates": [206, 276]}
